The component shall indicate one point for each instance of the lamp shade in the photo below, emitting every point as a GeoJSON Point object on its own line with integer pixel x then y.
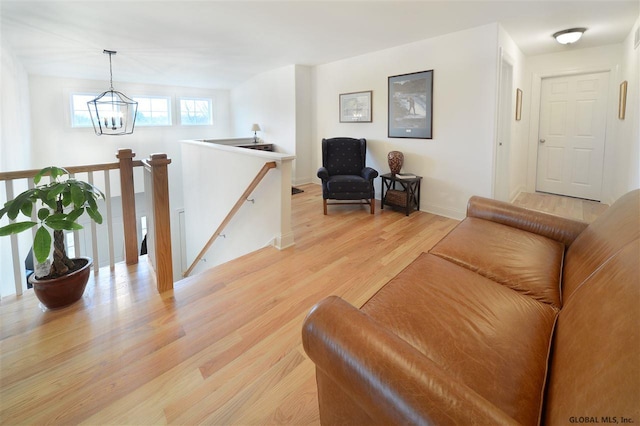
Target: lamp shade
{"type": "Point", "coordinates": [255, 127]}
{"type": "Point", "coordinates": [569, 36]}
{"type": "Point", "coordinates": [113, 113]}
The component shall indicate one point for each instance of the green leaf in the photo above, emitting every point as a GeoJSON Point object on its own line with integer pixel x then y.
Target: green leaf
{"type": "Point", "coordinates": [51, 204]}
{"type": "Point", "coordinates": [26, 209]}
{"type": "Point", "coordinates": [75, 214]}
{"type": "Point", "coordinates": [95, 215]}
{"type": "Point", "coordinates": [52, 171]}
{"type": "Point", "coordinates": [55, 189]}
{"type": "Point", "coordinates": [15, 228]}
{"type": "Point", "coordinates": [58, 171]}
{"type": "Point", "coordinates": [66, 198]}
{"type": "Point", "coordinates": [42, 244]}
{"type": "Point", "coordinates": [77, 195]}
{"type": "Point", "coordinates": [62, 224]}
{"type": "Point", "coordinates": [43, 213]}
{"type": "Point", "coordinates": [38, 176]}
{"type": "Point", "coordinates": [92, 203]}
{"type": "Point", "coordinates": [15, 205]}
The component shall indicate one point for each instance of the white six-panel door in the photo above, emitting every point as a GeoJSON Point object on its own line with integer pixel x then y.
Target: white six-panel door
{"type": "Point", "coordinates": [573, 115]}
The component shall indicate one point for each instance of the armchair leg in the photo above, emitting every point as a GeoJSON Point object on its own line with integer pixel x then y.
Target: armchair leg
{"type": "Point", "coordinates": [373, 205]}
{"type": "Point", "coordinates": [324, 202]}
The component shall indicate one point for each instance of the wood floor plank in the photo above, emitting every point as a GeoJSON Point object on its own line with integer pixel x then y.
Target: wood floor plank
{"type": "Point", "coordinates": [224, 346]}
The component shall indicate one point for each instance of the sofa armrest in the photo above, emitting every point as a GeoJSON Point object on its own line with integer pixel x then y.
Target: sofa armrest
{"type": "Point", "coordinates": [323, 173]}
{"type": "Point", "coordinates": [545, 224]}
{"type": "Point", "coordinates": [369, 174]}
{"type": "Point", "coordinates": [388, 378]}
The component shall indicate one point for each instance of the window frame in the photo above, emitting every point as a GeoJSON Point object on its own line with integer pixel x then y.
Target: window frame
{"type": "Point", "coordinates": [194, 99]}
{"type": "Point", "coordinates": [169, 111]}
{"type": "Point", "coordinates": [72, 109]}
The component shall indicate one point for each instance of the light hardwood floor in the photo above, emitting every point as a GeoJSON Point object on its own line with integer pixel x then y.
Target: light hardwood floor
{"type": "Point", "coordinates": [223, 347]}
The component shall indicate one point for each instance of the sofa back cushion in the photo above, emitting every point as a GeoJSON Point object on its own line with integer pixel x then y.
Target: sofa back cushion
{"type": "Point", "coordinates": [595, 368]}
{"type": "Point", "coordinates": [600, 241]}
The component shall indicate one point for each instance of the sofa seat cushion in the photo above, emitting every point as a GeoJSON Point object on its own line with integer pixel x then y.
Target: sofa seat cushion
{"type": "Point", "coordinates": [348, 184]}
{"type": "Point", "coordinates": [523, 261]}
{"type": "Point", "coordinates": [492, 339]}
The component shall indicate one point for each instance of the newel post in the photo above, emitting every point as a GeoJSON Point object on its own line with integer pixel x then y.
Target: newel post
{"type": "Point", "coordinates": [128, 205]}
{"type": "Point", "coordinates": [161, 220]}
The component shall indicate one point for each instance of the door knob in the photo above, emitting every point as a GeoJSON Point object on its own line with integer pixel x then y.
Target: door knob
{"type": "Point", "coordinates": [542, 141]}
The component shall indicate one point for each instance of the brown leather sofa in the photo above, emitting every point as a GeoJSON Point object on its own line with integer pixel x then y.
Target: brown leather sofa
{"type": "Point", "coordinates": [515, 317]}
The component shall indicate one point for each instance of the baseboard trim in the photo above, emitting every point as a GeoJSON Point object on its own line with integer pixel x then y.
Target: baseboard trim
{"type": "Point", "coordinates": [445, 211]}
{"type": "Point", "coordinates": [283, 241]}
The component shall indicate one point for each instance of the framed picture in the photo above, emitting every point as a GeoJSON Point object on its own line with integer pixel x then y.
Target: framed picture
{"type": "Point", "coordinates": [518, 104]}
{"type": "Point", "coordinates": [411, 105]}
{"type": "Point", "coordinates": [355, 107]}
{"type": "Point", "coordinates": [622, 100]}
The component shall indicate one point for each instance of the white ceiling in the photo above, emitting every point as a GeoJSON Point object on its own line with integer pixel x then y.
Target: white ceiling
{"type": "Point", "coordinates": [218, 44]}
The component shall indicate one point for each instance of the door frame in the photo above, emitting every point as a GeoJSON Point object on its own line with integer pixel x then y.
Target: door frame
{"type": "Point", "coordinates": [504, 122]}
{"type": "Point", "coordinates": [534, 123]}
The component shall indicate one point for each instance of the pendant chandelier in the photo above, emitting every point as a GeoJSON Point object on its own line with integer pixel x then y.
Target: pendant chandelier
{"type": "Point", "coordinates": [112, 112]}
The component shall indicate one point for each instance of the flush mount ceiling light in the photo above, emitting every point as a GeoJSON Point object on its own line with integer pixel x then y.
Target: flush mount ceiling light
{"type": "Point", "coordinates": [112, 112]}
{"type": "Point", "coordinates": [569, 36]}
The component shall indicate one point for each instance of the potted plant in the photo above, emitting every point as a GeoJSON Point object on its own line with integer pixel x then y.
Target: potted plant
{"type": "Point", "coordinates": [59, 204]}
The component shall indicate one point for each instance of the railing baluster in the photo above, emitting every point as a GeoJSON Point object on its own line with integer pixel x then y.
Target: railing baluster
{"type": "Point", "coordinates": [107, 195]}
{"type": "Point", "coordinates": [76, 237]}
{"type": "Point", "coordinates": [15, 252]}
{"type": "Point", "coordinates": [94, 238]}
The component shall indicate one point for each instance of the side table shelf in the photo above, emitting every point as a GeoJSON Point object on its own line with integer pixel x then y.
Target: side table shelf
{"type": "Point", "coordinates": [406, 195]}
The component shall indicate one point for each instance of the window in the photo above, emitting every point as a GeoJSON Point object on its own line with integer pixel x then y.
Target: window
{"type": "Point", "coordinates": [70, 244]}
{"type": "Point", "coordinates": [153, 111]}
{"type": "Point", "coordinates": [79, 111]}
{"type": "Point", "coordinates": [195, 111]}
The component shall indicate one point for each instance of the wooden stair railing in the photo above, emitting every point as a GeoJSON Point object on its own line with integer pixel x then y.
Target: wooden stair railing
{"type": "Point", "coordinates": [156, 165]}
{"type": "Point", "coordinates": [243, 198]}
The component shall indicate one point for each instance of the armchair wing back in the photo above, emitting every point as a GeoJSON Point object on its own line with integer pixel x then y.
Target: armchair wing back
{"type": "Point", "coordinates": [344, 156]}
{"type": "Point", "coordinates": [344, 173]}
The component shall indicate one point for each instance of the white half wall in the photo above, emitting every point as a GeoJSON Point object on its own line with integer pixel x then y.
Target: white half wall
{"type": "Point", "coordinates": [457, 162]}
{"type": "Point", "coordinates": [219, 176]}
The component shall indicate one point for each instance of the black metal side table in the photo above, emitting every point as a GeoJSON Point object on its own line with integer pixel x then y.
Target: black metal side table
{"type": "Point", "coordinates": [407, 196]}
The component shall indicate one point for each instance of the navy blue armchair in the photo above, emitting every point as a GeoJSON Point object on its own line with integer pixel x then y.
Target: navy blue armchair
{"type": "Point", "coordinates": [344, 174]}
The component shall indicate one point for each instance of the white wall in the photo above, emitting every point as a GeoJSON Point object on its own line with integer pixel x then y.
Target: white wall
{"type": "Point", "coordinates": [15, 150]}
{"type": "Point", "coordinates": [14, 113]}
{"type": "Point", "coordinates": [269, 100]}
{"type": "Point", "coordinates": [457, 162]}
{"type": "Point", "coordinates": [578, 61]}
{"type": "Point", "coordinates": [518, 149]}
{"type": "Point", "coordinates": [627, 177]}
{"type": "Point", "coordinates": [280, 101]}
{"type": "Point", "coordinates": [304, 166]}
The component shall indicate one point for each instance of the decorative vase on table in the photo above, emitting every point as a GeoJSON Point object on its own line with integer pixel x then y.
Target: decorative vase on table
{"type": "Point", "coordinates": [395, 158]}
